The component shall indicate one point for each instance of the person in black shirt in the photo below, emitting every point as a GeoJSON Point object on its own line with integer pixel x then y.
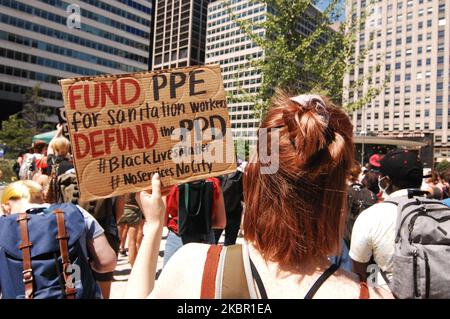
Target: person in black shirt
{"type": "Point", "coordinates": [233, 196]}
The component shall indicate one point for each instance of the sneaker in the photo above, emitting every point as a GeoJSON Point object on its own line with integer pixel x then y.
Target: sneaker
{"type": "Point", "coordinates": [123, 252]}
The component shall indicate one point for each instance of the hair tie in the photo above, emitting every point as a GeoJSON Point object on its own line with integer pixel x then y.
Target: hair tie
{"type": "Point", "coordinates": [306, 100]}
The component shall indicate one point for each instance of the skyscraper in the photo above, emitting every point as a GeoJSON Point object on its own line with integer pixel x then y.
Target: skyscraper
{"type": "Point", "coordinates": [41, 42]}
{"type": "Point", "coordinates": [228, 45]}
{"type": "Point", "coordinates": [179, 33]}
{"type": "Point", "coordinates": [409, 40]}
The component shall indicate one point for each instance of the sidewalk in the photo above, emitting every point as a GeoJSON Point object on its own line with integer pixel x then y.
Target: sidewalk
{"type": "Point", "coordinates": [123, 270]}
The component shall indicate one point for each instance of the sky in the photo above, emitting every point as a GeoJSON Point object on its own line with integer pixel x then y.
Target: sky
{"type": "Point", "coordinates": [322, 4]}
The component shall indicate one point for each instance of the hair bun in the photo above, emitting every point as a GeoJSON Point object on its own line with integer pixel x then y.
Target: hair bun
{"type": "Point", "coordinates": [307, 123]}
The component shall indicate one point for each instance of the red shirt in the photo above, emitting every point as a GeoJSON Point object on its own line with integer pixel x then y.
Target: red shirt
{"type": "Point", "coordinates": [172, 204]}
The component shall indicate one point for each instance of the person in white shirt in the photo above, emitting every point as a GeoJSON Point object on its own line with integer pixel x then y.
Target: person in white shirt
{"type": "Point", "coordinates": [374, 229]}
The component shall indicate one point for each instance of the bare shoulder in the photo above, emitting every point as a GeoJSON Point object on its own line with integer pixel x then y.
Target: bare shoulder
{"type": "Point", "coordinates": [342, 284]}
{"type": "Point", "coordinates": [352, 280]}
{"type": "Point", "coordinates": [346, 285]}
{"type": "Point", "coordinates": [182, 276]}
{"type": "Point", "coordinates": [380, 293]}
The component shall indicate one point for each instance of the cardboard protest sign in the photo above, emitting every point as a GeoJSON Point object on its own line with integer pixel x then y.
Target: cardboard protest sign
{"type": "Point", "coordinates": [125, 128]}
{"type": "Point", "coordinates": [62, 120]}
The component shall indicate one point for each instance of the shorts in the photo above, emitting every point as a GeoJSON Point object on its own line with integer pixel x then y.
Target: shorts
{"type": "Point", "coordinates": [131, 217]}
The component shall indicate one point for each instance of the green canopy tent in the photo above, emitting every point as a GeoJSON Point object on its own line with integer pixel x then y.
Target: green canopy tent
{"type": "Point", "coordinates": [44, 137]}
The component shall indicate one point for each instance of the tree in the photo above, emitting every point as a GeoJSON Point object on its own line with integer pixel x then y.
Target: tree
{"type": "Point", "coordinates": [15, 135]}
{"type": "Point", "coordinates": [242, 149]}
{"type": "Point", "coordinates": [314, 62]}
{"type": "Point", "coordinates": [33, 113]}
{"type": "Point", "coordinates": [442, 166]}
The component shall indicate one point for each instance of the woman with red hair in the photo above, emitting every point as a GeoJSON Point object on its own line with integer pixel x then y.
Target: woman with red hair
{"type": "Point", "coordinates": [294, 217]}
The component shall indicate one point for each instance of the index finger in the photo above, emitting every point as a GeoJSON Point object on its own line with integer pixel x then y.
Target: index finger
{"type": "Point", "coordinates": [156, 185]}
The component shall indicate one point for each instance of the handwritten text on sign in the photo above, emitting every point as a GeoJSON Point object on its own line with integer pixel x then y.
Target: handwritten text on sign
{"type": "Point", "coordinates": [126, 128]}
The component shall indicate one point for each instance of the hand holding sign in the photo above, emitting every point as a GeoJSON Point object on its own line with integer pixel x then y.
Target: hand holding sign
{"type": "Point", "coordinates": [127, 128]}
{"type": "Point", "coordinates": [63, 122]}
{"type": "Point", "coordinates": [151, 204]}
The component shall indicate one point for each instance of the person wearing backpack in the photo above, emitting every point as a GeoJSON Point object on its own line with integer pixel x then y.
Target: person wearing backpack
{"type": "Point", "coordinates": [28, 167]}
{"type": "Point", "coordinates": [105, 211]}
{"type": "Point", "coordinates": [49, 251]}
{"type": "Point", "coordinates": [209, 204]}
{"type": "Point", "coordinates": [59, 154]}
{"type": "Point", "coordinates": [233, 195]}
{"type": "Point", "coordinates": [63, 187]}
{"type": "Point", "coordinates": [58, 163]}
{"type": "Point", "coordinates": [359, 198]}
{"type": "Point", "coordinates": [293, 219]}
{"type": "Point", "coordinates": [392, 233]}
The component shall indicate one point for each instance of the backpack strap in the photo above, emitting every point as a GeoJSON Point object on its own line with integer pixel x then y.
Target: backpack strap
{"type": "Point", "coordinates": [384, 275]}
{"type": "Point", "coordinates": [62, 237]}
{"type": "Point", "coordinates": [259, 283]}
{"type": "Point", "coordinates": [186, 199]}
{"type": "Point", "coordinates": [319, 282]}
{"type": "Point", "coordinates": [234, 281]}
{"type": "Point", "coordinates": [208, 289]}
{"type": "Point", "coordinates": [363, 290]}
{"type": "Point", "coordinates": [25, 245]}
{"type": "Point", "coordinates": [391, 202]}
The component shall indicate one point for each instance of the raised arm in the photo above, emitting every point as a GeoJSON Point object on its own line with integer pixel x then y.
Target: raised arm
{"type": "Point", "coordinates": [142, 278]}
{"type": "Point", "coordinates": [50, 149]}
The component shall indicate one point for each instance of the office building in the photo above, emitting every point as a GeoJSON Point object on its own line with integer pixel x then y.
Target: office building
{"type": "Point", "coordinates": [409, 41]}
{"type": "Point", "coordinates": [179, 33]}
{"type": "Point", "coordinates": [41, 42]}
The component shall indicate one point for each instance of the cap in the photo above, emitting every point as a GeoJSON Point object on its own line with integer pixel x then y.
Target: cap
{"type": "Point", "coordinates": [375, 160]}
{"type": "Point", "coordinates": [402, 165]}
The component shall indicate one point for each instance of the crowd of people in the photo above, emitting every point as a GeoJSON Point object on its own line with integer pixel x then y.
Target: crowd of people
{"type": "Point", "coordinates": [47, 176]}
{"type": "Point", "coordinates": [311, 229]}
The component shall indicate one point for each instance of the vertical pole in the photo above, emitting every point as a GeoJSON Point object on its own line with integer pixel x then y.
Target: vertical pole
{"type": "Point", "coordinates": [363, 133]}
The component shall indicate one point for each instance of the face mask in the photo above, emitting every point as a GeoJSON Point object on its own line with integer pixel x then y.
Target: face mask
{"type": "Point", "coordinates": [383, 189]}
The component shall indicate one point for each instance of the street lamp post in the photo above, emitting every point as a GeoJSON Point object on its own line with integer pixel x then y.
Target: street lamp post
{"type": "Point", "coordinates": [363, 134]}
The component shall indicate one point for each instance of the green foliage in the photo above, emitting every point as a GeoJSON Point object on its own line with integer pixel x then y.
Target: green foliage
{"type": "Point", "coordinates": [33, 113]}
{"type": "Point", "coordinates": [316, 62]}
{"type": "Point", "coordinates": [8, 174]}
{"type": "Point", "coordinates": [15, 135]}
{"type": "Point", "coordinates": [242, 149]}
{"type": "Point", "coordinates": [442, 166]}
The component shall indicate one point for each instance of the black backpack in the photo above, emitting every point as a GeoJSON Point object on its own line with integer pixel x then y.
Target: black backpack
{"type": "Point", "coordinates": [359, 199]}
{"type": "Point", "coordinates": [195, 202]}
{"type": "Point", "coordinates": [16, 168]}
{"type": "Point", "coordinates": [233, 192]}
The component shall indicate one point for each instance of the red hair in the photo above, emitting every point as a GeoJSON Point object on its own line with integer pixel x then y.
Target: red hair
{"type": "Point", "coordinates": [297, 213]}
